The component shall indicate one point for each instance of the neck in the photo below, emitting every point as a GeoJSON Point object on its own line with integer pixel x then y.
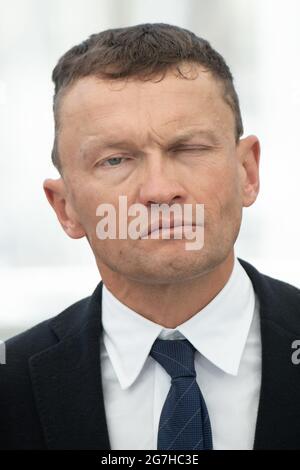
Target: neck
{"type": "Point", "coordinates": [169, 305]}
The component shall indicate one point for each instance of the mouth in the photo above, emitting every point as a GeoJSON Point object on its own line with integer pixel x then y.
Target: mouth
{"type": "Point", "coordinates": [165, 229]}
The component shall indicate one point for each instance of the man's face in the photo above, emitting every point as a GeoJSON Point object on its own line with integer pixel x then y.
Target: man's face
{"type": "Point", "coordinates": [117, 138]}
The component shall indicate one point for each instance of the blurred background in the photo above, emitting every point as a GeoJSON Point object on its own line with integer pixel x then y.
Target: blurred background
{"type": "Point", "coordinates": [42, 271]}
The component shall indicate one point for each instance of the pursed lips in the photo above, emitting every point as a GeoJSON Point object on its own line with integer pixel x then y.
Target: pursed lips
{"type": "Point", "coordinates": [167, 226]}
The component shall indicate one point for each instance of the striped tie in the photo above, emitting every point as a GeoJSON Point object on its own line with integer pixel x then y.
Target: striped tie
{"type": "Point", "coordinates": [184, 422]}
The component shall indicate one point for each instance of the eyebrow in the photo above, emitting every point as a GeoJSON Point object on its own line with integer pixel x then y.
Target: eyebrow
{"type": "Point", "coordinates": [110, 142]}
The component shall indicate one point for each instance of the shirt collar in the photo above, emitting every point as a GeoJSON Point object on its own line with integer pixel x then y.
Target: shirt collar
{"type": "Point", "coordinates": [219, 331]}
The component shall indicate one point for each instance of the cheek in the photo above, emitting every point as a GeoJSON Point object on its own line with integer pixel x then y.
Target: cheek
{"type": "Point", "coordinates": [221, 194]}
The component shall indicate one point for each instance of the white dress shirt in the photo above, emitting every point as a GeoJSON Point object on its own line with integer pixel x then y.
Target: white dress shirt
{"type": "Point", "coordinates": [226, 335]}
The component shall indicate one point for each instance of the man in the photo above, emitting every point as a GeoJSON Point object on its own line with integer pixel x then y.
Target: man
{"type": "Point", "coordinates": [176, 348]}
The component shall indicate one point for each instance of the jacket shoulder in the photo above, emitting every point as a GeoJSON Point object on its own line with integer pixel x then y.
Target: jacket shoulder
{"type": "Point", "coordinates": [279, 300]}
{"type": "Point", "coordinates": [19, 423]}
{"type": "Point", "coordinates": [19, 348]}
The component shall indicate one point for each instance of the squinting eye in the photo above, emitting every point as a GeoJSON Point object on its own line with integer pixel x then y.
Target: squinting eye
{"type": "Point", "coordinates": [191, 149]}
{"type": "Point", "coordinates": [114, 160]}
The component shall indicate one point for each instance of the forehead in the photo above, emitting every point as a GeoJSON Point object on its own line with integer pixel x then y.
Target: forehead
{"type": "Point", "coordinates": [92, 105]}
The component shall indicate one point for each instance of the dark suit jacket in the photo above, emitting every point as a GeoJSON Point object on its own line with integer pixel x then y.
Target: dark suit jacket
{"type": "Point", "coordinates": [51, 387]}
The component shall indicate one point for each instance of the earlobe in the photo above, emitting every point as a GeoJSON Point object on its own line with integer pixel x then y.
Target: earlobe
{"type": "Point", "coordinates": [57, 196]}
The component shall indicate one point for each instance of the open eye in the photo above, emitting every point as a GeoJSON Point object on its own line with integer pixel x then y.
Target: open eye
{"type": "Point", "coordinates": [113, 161]}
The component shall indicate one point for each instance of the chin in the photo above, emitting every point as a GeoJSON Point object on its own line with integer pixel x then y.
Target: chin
{"type": "Point", "coordinates": [166, 271]}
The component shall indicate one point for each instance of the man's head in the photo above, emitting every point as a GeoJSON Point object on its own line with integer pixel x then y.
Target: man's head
{"type": "Point", "coordinates": [160, 103]}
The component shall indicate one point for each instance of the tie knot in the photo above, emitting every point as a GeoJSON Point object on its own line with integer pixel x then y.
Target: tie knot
{"type": "Point", "coordinates": [176, 356]}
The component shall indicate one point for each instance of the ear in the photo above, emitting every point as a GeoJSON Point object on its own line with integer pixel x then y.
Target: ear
{"type": "Point", "coordinates": [248, 150]}
{"type": "Point", "coordinates": [57, 196]}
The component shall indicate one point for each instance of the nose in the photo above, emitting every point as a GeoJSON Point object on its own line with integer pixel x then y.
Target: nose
{"type": "Point", "coordinates": [160, 182]}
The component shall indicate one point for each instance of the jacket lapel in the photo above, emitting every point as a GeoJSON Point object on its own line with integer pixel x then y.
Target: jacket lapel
{"type": "Point", "coordinates": [67, 380]}
{"type": "Point", "coordinates": [278, 420]}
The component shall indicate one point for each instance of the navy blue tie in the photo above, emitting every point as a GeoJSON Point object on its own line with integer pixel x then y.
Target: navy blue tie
{"type": "Point", "coordinates": [184, 421]}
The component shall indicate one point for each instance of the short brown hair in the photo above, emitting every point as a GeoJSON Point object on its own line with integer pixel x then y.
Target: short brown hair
{"type": "Point", "coordinates": [141, 51]}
